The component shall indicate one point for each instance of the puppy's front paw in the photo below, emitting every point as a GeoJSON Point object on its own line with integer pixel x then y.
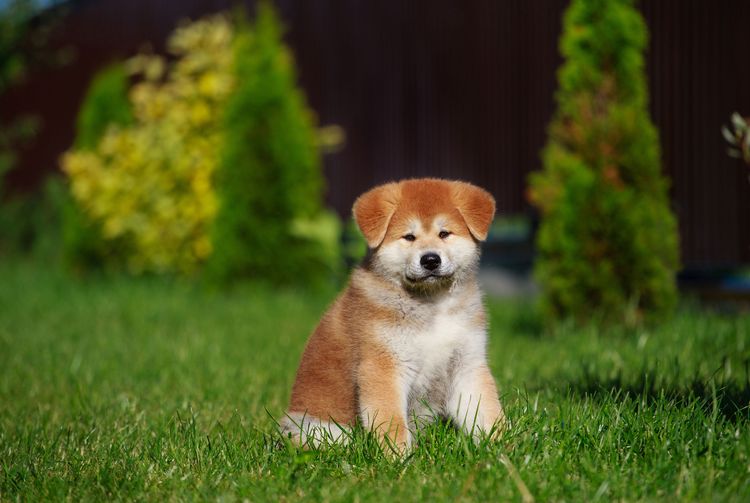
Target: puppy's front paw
{"type": "Point", "coordinates": [394, 442]}
{"type": "Point", "coordinates": [398, 447]}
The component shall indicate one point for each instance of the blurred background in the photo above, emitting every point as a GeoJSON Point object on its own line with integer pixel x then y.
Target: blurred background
{"type": "Point", "coordinates": [395, 90]}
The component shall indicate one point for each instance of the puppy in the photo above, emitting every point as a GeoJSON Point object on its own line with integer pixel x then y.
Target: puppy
{"type": "Point", "coordinates": [406, 341]}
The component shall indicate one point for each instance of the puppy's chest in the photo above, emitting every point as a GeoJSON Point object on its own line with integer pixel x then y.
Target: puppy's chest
{"type": "Point", "coordinates": [430, 338]}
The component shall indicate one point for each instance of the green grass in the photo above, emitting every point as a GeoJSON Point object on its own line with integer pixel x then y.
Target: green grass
{"type": "Point", "coordinates": [116, 388]}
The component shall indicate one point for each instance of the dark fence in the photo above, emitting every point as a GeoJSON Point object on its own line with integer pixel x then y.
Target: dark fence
{"type": "Point", "coordinates": [454, 89]}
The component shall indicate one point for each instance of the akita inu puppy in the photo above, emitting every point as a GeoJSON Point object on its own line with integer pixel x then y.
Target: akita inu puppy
{"type": "Point", "coordinates": [407, 338]}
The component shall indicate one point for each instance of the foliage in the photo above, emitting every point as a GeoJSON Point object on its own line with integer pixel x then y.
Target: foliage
{"type": "Point", "coordinates": [13, 135]}
{"type": "Point", "coordinates": [30, 223]}
{"type": "Point", "coordinates": [270, 222]}
{"type": "Point", "coordinates": [150, 390]}
{"type": "Point", "coordinates": [105, 105]}
{"type": "Point", "coordinates": [14, 28]}
{"type": "Point", "coordinates": [149, 185]}
{"type": "Point", "coordinates": [354, 244]}
{"type": "Point", "coordinates": [738, 138]}
{"type": "Point", "coordinates": [224, 123]}
{"type": "Point", "coordinates": [607, 243]}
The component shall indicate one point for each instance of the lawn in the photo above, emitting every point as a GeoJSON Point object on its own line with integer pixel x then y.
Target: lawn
{"type": "Point", "coordinates": [149, 389]}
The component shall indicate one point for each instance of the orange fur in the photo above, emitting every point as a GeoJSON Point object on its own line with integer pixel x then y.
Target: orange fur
{"type": "Point", "coordinates": [476, 206]}
{"type": "Point", "coordinates": [381, 210]}
{"type": "Point", "coordinates": [373, 210]}
{"type": "Point", "coordinates": [377, 384]}
{"type": "Point", "coordinates": [489, 391]}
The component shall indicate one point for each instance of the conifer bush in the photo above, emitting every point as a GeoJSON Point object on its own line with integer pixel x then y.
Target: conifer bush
{"type": "Point", "coordinates": [270, 222]}
{"type": "Point", "coordinates": [607, 243]}
{"type": "Point", "coordinates": [105, 105]}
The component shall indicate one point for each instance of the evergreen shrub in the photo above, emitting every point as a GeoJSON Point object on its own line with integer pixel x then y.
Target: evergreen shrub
{"type": "Point", "coordinates": [607, 242]}
{"type": "Point", "coordinates": [271, 223]}
{"type": "Point", "coordinates": [105, 105]}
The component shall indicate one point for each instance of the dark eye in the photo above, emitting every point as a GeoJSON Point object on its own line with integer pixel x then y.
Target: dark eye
{"type": "Point", "coordinates": [444, 234]}
{"type": "Point", "coordinates": [410, 237]}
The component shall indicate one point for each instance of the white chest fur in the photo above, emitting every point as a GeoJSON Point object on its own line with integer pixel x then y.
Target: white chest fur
{"type": "Point", "coordinates": [432, 342]}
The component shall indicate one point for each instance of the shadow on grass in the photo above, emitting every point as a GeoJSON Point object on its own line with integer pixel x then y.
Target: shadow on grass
{"type": "Point", "coordinates": [728, 397]}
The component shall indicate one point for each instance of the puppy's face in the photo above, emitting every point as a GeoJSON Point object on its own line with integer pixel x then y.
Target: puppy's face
{"type": "Point", "coordinates": [424, 233]}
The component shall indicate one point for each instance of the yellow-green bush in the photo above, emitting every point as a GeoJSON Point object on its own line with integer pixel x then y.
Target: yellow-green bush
{"type": "Point", "coordinates": [221, 160]}
{"type": "Point", "coordinates": [149, 185]}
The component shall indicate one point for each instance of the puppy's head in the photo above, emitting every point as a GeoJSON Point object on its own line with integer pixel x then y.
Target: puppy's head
{"type": "Point", "coordinates": [424, 233]}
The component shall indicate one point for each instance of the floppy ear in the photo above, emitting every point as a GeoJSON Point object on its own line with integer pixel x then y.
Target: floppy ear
{"type": "Point", "coordinates": [477, 207]}
{"type": "Point", "coordinates": [373, 211]}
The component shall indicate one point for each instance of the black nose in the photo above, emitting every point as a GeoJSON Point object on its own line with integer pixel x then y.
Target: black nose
{"type": "Point", "coordinates": [430, 261]}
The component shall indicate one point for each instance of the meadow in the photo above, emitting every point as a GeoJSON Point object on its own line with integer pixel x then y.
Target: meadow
{"type": "Point", "coordinates": [156, 389]}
